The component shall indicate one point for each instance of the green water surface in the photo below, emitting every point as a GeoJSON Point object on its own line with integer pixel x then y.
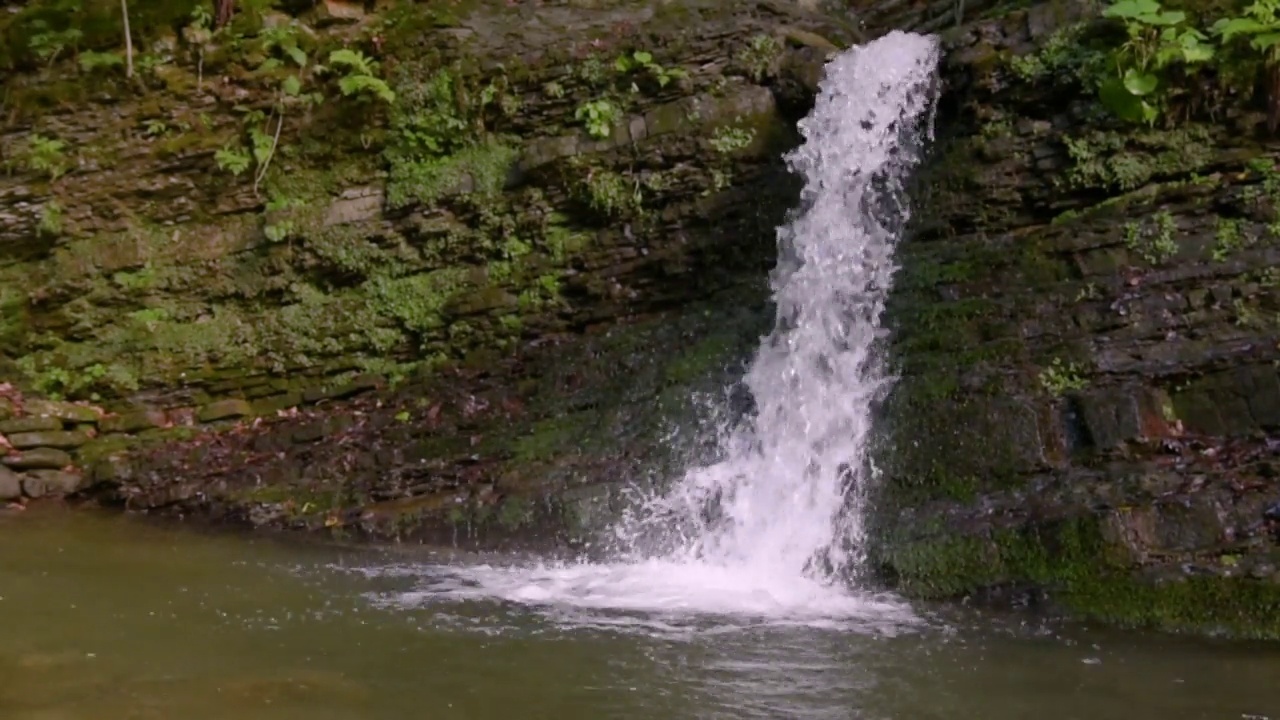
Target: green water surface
{"type": "Point", "coordinates": [108, 618]}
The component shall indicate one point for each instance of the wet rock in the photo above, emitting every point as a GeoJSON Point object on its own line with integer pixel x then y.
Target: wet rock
{"type": "Point", "coordinates": [224, 410]}
{"type": "Point", "coordinates": [69, 412]}
{"type": "Point", "coordinates": [361, 384]}
{"type": "Point", "coordinates": [332, 12]}
{"type": "Point", "coordinates": [10, 484]}
{"type": "Point", "coordinates": [132, 422]}
{"type": "Point", "coordinates": [50, 483]}
{"type": "Point", "coordinates": [355, 206]}
{"type": "Point", "coordinates": [30, 423]}
{"type": "Point", "coordinates": [61, 439]}
{"type": "Point", "coordinates": [37, 459]}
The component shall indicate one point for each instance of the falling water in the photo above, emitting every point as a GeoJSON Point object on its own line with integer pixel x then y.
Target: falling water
{"type": "Point", "coordinates": [774, 527]}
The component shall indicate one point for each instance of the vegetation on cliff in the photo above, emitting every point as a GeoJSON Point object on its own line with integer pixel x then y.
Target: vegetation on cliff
{"type": "Point", "coordinates": [401, 272]}
{"type": "Point", "coordinates": [1086, 322]}
{"type": "Point", "coordinates": [385, 192]}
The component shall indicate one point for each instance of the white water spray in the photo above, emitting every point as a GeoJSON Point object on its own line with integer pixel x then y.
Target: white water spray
{"type": "Point", "coordinates": [775, 527]}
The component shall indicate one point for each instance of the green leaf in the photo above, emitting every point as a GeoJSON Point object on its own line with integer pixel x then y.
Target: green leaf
{"type": "Point", "coordinates": [1167, 17]}
{"type": "Point", "coordinates": [1194, 51]}
{"type": "Point", "coordinates": [1122, 103]}
{"type": "Point", "coordinates": [1131, 8]}
{"type": "Point", "coordinates": [643, 57]}
{"type": "Point", "coordinates": [1266, 41]}
{"type": "Point", "coordinates": [622, 64]}
{"type": "Point", "coordinates": [298, 54]}
{"type": "Point", "coordinates": [1140, 83]}
{"type": "Point", "coordinates": [1149, 112]}
{"type": "Point", "coordinates": [291, 85]}
{"type": "Point", "coordinates": [1229, 28]}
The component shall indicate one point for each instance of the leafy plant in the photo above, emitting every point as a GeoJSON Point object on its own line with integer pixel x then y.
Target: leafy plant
{"type": "Point", "coordinates": [200, 34]}
{"type": "Point", "coordinates": [361, 76]}
{"type": "Point", "coordinates": [46, 155]}
{"type": "Point", "coordinates": [599, 117]}
{"type": "Point", "coordinates": [1159, 41]}
{"type": "Point", "coordinates": [727, 140]}
{"type": "Point", "coordinates": [91, 61]}
{"type": "Point", "coordinates": [48, 43]}
{"type": "Point", "coordinates": [1060, 378]}
{"type": "Point", "coordinates": [642, 60]}
{"type": "Point", "coordinates": [50, 219]}
{"type": "Point", "coordinates": [759, 55]}
{"type": "Point", "coordinates": [232, 159]}
{"type": "Point", "coordinates": [1260, 25]}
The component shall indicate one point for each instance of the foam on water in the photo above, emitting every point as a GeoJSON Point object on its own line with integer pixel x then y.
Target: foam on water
{"type": "Point", "coordinates": [774, 528]}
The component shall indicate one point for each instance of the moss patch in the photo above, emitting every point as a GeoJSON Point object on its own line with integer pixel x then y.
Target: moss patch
{"type": "Point", "coordinates": [1071, 560]}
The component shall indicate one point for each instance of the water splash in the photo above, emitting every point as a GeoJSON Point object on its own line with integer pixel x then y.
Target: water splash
{"type": "Point", "coordinates": [787, 497]}
{"type": "Point", "coordinates": [774, 527]}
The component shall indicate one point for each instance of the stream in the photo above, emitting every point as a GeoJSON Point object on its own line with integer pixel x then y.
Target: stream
{"type": "Point", "coordinates": [107, 617]}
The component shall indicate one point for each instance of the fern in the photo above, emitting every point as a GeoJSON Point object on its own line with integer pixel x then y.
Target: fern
{"type": "Point", "coordinates": [90, 60]}
{"type": "Point", "coordinates": [361, 77]}
{"type": "Point", "coordinates": [232, 159]}
{"type": "Point", "coordinates": [357, 63]}
{"type": "Point", "coordinates": [355, 84]}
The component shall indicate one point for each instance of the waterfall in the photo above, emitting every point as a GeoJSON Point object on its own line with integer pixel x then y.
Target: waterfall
{"type": "Point", "coordinates": [775, 525]}
{"type": "Point", "coordinates": [788, 494]}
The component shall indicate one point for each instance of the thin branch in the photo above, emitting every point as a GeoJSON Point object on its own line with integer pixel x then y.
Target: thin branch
{"type": "Point", "coordinates": [128, 40]}
{"type": "Point", "coordinates": [262, 171]}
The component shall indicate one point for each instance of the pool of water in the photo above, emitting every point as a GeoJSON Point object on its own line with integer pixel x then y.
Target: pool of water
{"type": "Point", "coordinates": [107, 618]}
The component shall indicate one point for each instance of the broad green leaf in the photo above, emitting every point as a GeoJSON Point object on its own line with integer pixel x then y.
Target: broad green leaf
{"type": "Point", "coordinates": [1139, 83]}
{"type": "Point", "coordinates": [299, 55]}
{"type": "Point", "coordinates": [291, 85]}
{"type": "Point", "coordinates": [1149, 112]}
{"type": "Point", "coordinates": [643, 57]}
{"type": "Point", "coordinates": [1132, 8]}
{"type": "Point", "coordinates": [1266, 41]}
{"type": "Point", "coordinates": [1168, 17]}
{"type": "Point", "coordinates": [1122, 103]}
{"type": "Point", "coordinates": [1229, 28]}
{"type": "Point", "coordinates": [1194, 51]}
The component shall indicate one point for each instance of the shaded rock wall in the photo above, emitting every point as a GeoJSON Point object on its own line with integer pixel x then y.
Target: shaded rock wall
{"type": "Point", "coordinates": [406, 299]}
{"type": "Point", "coordinates": [1086, 324]}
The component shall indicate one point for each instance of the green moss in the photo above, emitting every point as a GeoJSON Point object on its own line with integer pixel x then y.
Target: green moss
{"type": "Point", "coordinates": [482, 168]}
{"type": "Point", "coordinates": [551, 437]}
{"type": "Point", "coordinates": [13, 316]}
{"type": "Point", "coordinates": [436, 144]}
{"type": "Point", "coordinates": [607, 192]}
{"type": "Point", "coordinates": [1125, 161]}
{"type": "Point", "coordinates": [300, 501]}
{"type": "Point", "coordinates": [514, 513]}
{"type": "Point", "coordinates": [1086, 576]}
{"type": "Point", "coordinates": [701, 359]}
{"type": "Point", "coordinates": [161, 343]}
{"type": "Point", "coordinates": [416, 301]}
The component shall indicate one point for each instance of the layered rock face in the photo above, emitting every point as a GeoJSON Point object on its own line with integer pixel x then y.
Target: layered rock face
{"type": "Point", "coordinates": [1086, 324]}
{"type": "Point", "coordinates": [364, 264]}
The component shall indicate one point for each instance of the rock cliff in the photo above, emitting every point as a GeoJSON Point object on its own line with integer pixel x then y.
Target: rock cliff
{"type": "Point", "coordinates": [365, 267]}
{"type": "Point", "coordinates": [1086, 326]}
